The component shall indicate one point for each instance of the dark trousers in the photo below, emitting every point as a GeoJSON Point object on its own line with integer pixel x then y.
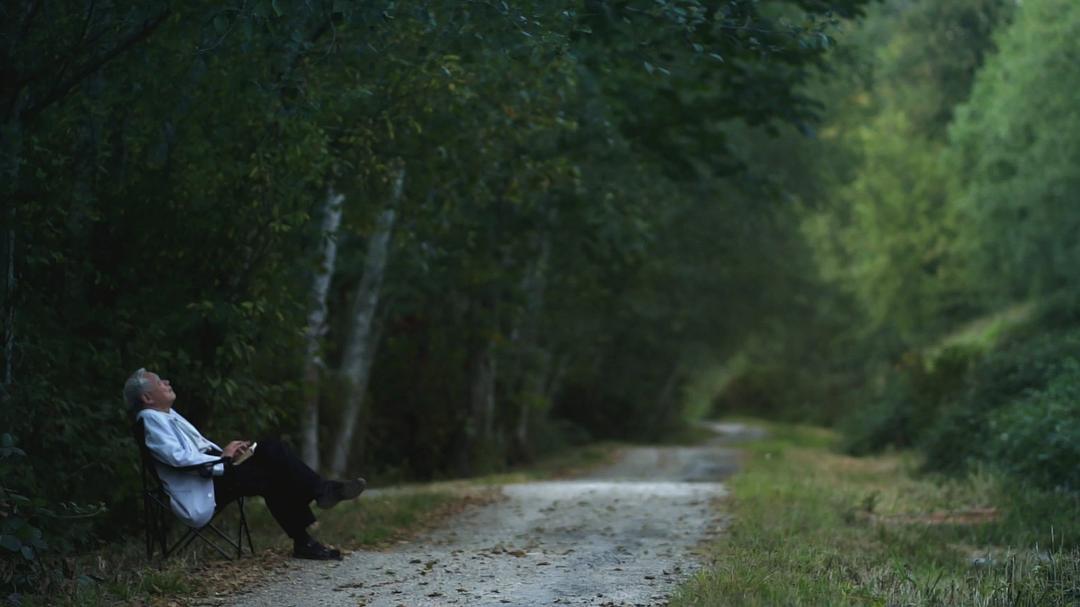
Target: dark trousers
{"type": "Point", "coordinates": [282, 479]}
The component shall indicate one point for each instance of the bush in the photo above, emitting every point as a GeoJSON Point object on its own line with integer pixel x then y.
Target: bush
{"type": "Point", "coordinates": [1037, 438]}
{"type": "Point", "coordinates": [782, 391]}
{"type": "Point", "coordinates": [960, 433]}
{"type": "Point", "coordinates": [757, 390]}
{"type": "Point", "coordinates": [885, 421]}
{"type": "Point", "coordinates": [32, 530]}
{"type": "Point", "coordinates": [911, 400]}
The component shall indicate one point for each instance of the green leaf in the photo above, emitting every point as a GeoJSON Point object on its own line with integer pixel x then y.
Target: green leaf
{"type": "Point", "coordinates": [9, 451]}
{"type": "Point", "coordinates": [10, 542]}
{"type": "Point", "coordinates": [277, 9]}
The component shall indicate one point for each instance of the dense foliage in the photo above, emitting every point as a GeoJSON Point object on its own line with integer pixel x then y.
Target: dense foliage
{"type": "Point", "coordinates": [545, 225]}
{"type": "Point", "coordinates": [555, 217]}
{"type": "Point", "coordinates": [937, 205]}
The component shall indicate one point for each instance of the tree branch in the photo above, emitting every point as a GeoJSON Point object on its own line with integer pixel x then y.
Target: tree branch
{"type": "Point", "coordinates": [62, 89]}
{"type": "Point", "coordinates": [32, 12]}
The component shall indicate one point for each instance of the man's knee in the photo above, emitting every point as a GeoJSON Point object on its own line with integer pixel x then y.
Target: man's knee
{"type": "Point", "coordinates": [272, 448]}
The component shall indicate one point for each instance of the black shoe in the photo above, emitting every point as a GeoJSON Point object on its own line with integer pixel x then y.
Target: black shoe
{"type": "Point", "coordinates": [337, 491]}
{"type": "Point", "coordinates": [315, 551]}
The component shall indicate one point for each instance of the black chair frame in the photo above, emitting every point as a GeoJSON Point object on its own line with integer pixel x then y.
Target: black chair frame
{"type": "Point", "coordinates": [158, 515]}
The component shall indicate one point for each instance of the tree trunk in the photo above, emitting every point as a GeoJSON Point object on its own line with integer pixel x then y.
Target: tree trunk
{"type": "Point", "coordinates": [316, 326]}
{"type": "Point", "coordinates": [666, 401]}
{"type": "Point", "coordinates": [481, 369]}
{"type": "Point", "coordinates": [8, 309]}
{"type": "Point", "coordinates": [536, 361]}
{"type": "Point", "coordinates": [553, 381]}
{"type": "Point", "coordinates": [482, 395]}
{"type": "Point", "coordinates": [533, 397]}
{"type": "Point", "coordinates": [10, 149]}
{"type": "Point", "coordinates": [360, 348]}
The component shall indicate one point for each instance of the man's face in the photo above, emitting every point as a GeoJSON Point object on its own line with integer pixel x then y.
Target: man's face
{"type": "Point", "coordinates": [160, 395]}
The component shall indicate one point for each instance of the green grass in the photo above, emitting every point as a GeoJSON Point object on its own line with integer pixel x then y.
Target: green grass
{"type": "Point", "coordinates": [119, 574]}
{"type": "Point", "coordinates": [811, 527]}
{"type": "Point", "coordinates": [982, 333]}
{"type": "Point", "coordinates": [369, 522]}
{"type": "Point", "coordinates": [568, 462]}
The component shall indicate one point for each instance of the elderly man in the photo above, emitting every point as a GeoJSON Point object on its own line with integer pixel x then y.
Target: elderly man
{"type": "Point", "coordinates": [272, 470]}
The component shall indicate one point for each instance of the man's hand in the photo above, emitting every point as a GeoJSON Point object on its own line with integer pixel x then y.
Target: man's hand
{"type": "Point", "coordinates": [235, 447]}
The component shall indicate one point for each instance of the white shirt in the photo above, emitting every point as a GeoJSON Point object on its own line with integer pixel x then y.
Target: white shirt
{"type": "Point", "coordinates": [175, 443]}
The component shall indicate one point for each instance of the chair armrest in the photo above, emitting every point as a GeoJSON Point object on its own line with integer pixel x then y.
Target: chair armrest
{"type": "Point", "coordinates": [202, 466]}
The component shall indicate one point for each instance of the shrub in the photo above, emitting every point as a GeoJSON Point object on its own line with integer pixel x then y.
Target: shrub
{"type": "Point", "coordinates": [757, 390]}
{"type": "Point", "coordinates": [783, 390]}
{"type": "Point", "coordinates": [960, 432]}
{"type": "Point", "coordinates": [1037, 438]}
{"type": "Point", "coordinates": [885, 421]}
{"type": "Point", "coordinates": [911, 400]}
{"type": "Point", "coordinates": [32, 530]}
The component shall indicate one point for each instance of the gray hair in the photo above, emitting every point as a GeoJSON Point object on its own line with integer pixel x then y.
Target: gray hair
{"type": "Point", "coordinates": [135, 386]}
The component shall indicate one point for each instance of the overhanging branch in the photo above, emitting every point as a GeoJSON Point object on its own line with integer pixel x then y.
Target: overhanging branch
{"type": "Point", "coordinates": [62, 89]}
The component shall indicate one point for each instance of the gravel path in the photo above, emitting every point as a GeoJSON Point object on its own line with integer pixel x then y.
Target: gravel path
{"type": "Point", "coordinates": [625, 535]}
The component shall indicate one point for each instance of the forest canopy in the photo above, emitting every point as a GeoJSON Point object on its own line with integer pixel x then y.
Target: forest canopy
{"type": "Point", "coordinates": [433, 238]}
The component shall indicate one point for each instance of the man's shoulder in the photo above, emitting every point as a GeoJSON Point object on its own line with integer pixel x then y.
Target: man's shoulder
{"type": "Point", "coordinates": [152, 416]}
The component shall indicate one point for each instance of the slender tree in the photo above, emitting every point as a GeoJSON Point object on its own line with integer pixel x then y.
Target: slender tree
{"type": "Point", "coordinates": [362, 340]}
{"type": "Point", "coordinates": [316, 325]}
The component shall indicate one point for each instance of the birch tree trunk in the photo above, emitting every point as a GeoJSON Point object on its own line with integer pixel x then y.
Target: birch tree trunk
{"type": "Point", "coordinates": [316, 326]}
{"type": "Point", "coordinates": [481, 369]}
{"type": "Point", "coordinates": [554, 380]}
{"type": "Point", "coordinates": [360, 348]}
{"type": "Point", "coordinates": [534, 395]}
{"type": "Point", "coordinates": [536, 360]}
{"type": "Point", "coordinates": [482, 395]}
{"type": "Point", "coordinates": [666, 401]}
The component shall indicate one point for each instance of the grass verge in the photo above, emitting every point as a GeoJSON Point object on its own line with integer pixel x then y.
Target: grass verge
{"type": "Point", "coordinates": [812, 527]}
{"type": "Point", "coordinates": [118, 573]}
{"type": "Point", "coordinates": [570, 462]}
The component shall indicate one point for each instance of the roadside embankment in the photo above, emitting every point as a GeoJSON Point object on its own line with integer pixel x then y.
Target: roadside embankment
{"type": "Point", "coordinates": [813, 527]}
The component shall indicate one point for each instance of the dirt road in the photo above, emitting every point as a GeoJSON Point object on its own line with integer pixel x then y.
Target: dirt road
{"type": "Point", "coordinates": [624, 535]}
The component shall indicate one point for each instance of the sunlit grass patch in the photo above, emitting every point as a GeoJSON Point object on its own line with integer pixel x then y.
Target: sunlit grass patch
{"type": "Point", "coordinates": [370, 521]}
{"type": "Point", "coordinates": [375, 520]}
{"type": "Point", "coordinates": [566, 463]}
{"type": "Point", "coordinates": [813, 527]}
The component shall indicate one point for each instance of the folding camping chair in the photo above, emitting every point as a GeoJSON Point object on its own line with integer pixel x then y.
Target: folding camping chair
{"type": "Point", "coordinates": [158, 515]}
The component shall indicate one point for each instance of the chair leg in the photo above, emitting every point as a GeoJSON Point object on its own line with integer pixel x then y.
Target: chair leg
{"type": "Point", "coordinates": [163, 534]}
{"type": "Point", "coordinates": [240, 529]}
{"type": "Point", "coordinates": [157, 525]}
{"type": "Point", "coordinates": [147, 533]}
{"type": "Point", "coordinates": [198, 533]}
{"type": "Point", "coordinates": [244, 529]}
